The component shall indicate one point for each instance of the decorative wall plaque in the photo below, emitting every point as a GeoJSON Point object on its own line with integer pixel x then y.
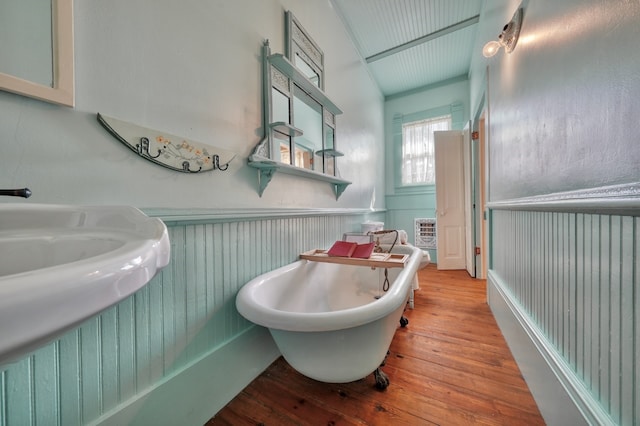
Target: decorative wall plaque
{"type": "Point", "coordinates": [173, 152]}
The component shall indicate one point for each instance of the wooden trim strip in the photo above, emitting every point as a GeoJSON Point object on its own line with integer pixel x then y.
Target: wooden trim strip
{"type": "Point", "coordinates": [194, 216]}
{"type": "Point", "coordinates": [614, 199]}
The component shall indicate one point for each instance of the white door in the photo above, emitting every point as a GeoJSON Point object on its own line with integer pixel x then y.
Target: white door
{"type": "Point", "coordinates": [450, 223]}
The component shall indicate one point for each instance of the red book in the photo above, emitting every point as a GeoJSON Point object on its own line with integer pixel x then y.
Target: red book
{"type": "Point", "coordinates": [351, 249]}
{"type": "Point", "coordinates": [363, 251]}
{"type": "Point", "coordinates": [342, 249]}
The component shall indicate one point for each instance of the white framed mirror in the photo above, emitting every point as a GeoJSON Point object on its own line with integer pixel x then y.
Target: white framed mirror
{"type": "Point", "coordinates": [37, 55]}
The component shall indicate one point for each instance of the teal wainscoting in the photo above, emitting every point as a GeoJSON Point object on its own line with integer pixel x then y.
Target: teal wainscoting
{"type": "Point", "coordinates": [564, 286]}
{"type": "Point", "coordinates": [176, 351]}
{"type": "Point", "coordinates": [403, 208]}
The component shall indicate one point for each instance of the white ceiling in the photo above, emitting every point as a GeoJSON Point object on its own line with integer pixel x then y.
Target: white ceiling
{"type": "Point", "coordinates": [410, 44]}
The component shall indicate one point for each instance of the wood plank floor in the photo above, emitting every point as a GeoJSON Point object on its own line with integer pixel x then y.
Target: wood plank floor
{"type": "Point", "coordinates": [449, 366]}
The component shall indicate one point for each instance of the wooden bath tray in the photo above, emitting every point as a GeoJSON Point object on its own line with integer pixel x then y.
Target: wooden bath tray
{"type": "Point", "coordinates": [380, 260]}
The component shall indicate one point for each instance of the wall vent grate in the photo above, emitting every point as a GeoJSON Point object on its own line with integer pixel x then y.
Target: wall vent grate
{"type": "Point", "coordinates": [425, 233]}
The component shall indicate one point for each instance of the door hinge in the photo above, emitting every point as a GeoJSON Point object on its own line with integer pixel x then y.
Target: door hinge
{"type": "Point", "coordinates": [477, 251]}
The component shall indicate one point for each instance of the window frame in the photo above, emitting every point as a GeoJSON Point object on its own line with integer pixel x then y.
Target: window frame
{"type": "Point", "coordinates": [455, 110]}
{"type": "Point", "coordinates": [427, 155]}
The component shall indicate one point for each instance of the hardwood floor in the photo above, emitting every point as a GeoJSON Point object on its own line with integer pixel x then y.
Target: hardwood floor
{"type": "Point", "coordinates": [449, 366]}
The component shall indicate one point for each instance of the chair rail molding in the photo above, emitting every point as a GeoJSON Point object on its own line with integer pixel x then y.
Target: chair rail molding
{"type": "Point", "coordinates": [612, 199]}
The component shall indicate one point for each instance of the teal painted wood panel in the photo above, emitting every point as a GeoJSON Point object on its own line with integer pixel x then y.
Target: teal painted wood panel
{"type": "Point", "coordinates": [18, 382]}
{"type": "Point", "coordinates": [110, 358]}
{"type": "Point", "coordinates": [403, 209]}
{"type": "Point", "coordinates": [577, 277]}
{"type": "Point", "coordinates": [184, 313]}
{"type": "Point", "coordinates": [126, 337]}
{"type": "Point", "coordinates": [69, 379]}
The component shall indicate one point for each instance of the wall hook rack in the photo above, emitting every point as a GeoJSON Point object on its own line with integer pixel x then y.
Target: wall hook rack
{"type": "Point", "coordinates": [170, 151]}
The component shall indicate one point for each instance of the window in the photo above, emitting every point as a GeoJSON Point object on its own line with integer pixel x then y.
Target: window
{"type": "Point", "coordinates": [418, 156]}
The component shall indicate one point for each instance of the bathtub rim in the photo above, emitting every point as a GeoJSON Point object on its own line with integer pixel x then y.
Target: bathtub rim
{"type": "Point", "coordinates": [326, 321]}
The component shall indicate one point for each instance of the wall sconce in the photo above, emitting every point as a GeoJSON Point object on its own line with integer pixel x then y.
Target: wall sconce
{"type": "Point", "coordinates": [507, 38]}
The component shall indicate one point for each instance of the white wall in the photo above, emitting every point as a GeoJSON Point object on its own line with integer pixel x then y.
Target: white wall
{"type": "Point", "coordinates": [563, 105]}
{"type": "Point", "coordinates": [190, 68]}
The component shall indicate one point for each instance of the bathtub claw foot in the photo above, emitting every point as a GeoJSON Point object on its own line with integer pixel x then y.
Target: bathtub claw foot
{"type": "Point", "coordinates": [382, 380]}
{"type": "Point", "coordinates": [404, 321]}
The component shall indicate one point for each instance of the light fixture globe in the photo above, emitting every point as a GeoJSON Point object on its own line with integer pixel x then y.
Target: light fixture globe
{"type": "Point", "coordinates": [491, 48]}
{"type": "Point", "coordinates": [507, 38]}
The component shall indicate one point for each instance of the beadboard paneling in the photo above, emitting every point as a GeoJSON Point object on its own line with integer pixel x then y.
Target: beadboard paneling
{"type": "Point", "coordinates": [575, 276]}
{"type": "Point", "coordinates": [185, 313]}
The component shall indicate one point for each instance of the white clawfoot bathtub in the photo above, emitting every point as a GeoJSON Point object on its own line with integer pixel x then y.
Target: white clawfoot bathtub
{"type": "Point", "coordinates": [331, 322]}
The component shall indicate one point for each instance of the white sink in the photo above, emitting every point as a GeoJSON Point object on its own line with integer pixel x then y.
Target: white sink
{"type": "Point", "coordinates": [60, 265]}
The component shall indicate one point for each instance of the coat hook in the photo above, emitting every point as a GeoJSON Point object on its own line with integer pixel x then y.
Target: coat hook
{"type": "Point", "coordinates": [186, 167]}
{"type": "Point", "coordinates": [216, 163]}
{"type": "Point", "coordinates": [143, 148]}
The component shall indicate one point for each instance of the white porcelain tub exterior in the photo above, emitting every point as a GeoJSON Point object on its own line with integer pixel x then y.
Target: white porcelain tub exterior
{"type": "Point", "coordinates": [331, 322]}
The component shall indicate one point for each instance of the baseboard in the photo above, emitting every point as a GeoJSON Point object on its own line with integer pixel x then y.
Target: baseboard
{"type": "Point", "coordinates": [196, 393]}
{"type": "Point", "coordinates": [559, 394]}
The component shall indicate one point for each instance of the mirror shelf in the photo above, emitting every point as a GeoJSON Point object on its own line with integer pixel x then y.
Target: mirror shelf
{"type": "Point", "coordinates": [267, 168]}
{"type": "Point", "coordinates": [285, 129]}
{"type": "Point", "coordinates": [329, 153]}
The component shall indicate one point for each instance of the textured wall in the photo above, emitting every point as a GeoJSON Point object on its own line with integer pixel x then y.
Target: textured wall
{"type": "Point", "coordinates": [191, 69]}
{"type": "Point", "coordinates": [563, 105]}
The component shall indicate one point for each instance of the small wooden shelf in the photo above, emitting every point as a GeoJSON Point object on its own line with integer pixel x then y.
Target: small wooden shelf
{"type": "Point", "coordinates": [379, 260]}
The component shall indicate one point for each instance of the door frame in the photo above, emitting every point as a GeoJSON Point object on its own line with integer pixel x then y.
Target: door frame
{"type": "Point", "coordinates": [469, 204]}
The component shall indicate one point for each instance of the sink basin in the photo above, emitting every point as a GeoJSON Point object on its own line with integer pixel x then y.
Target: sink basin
{"type": "Point", "coordinates": [60, 265]}
{"type": "Point", "coordinates": [30, 253]}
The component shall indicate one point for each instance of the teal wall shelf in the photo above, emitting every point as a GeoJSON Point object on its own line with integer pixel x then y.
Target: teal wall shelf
{"type": "Point", "coordinates": [267, 168]}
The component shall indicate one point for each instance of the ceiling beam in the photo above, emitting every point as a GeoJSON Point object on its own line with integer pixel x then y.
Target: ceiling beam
{"type": "Point", "coordinates": [436, 34]}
